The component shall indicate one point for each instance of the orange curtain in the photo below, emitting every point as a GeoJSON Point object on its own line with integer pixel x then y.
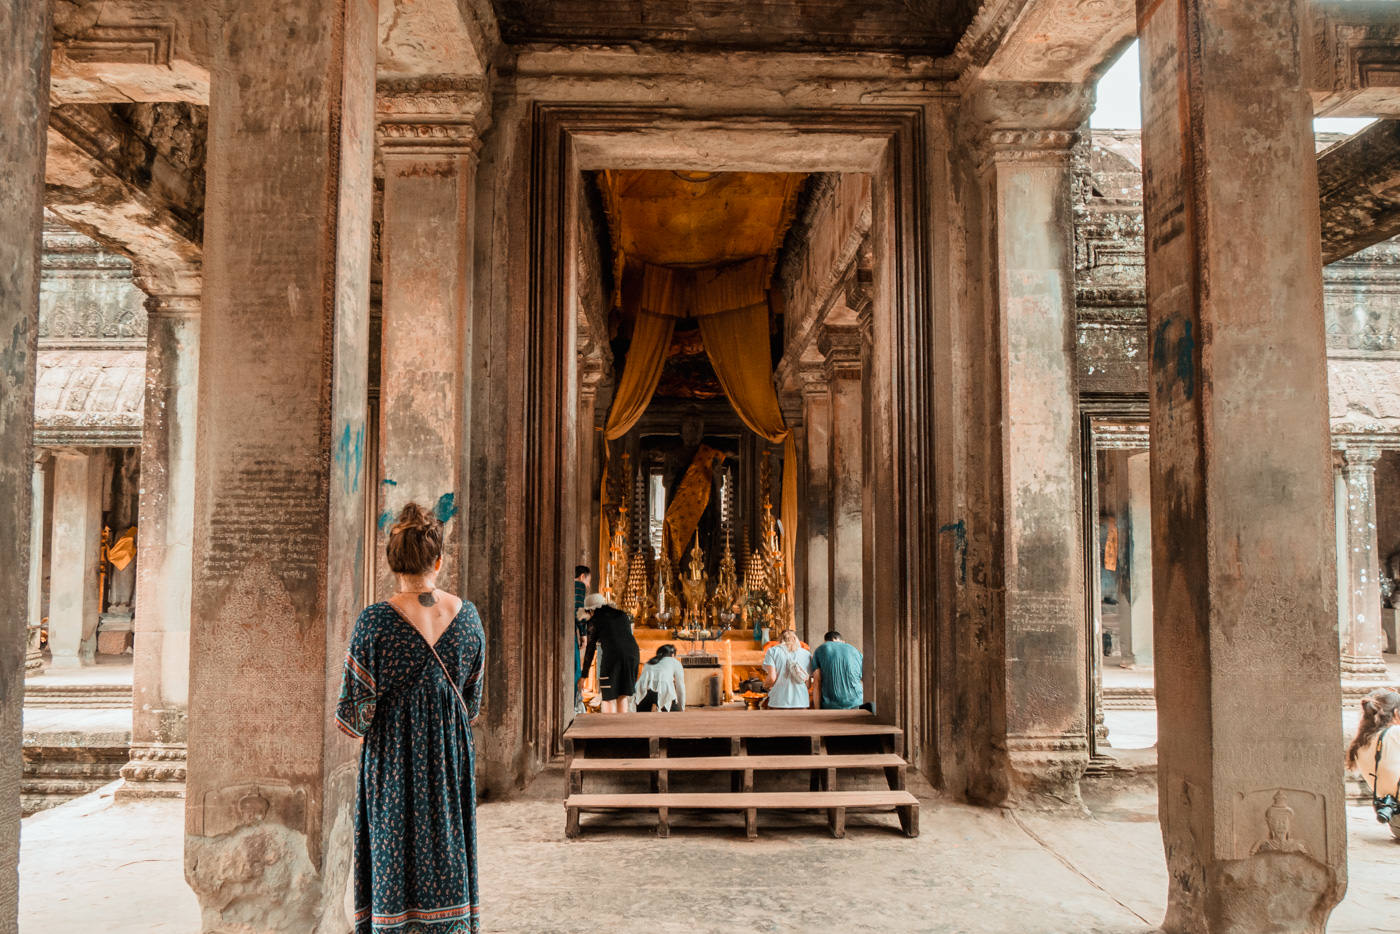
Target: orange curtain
{"type": "Point", "coordinates": [651, 294]}
{"type": "Point", "coordinates": [736, 342]}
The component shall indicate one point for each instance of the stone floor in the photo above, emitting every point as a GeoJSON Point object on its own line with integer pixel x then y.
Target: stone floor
{"type": "Point", "coordinates": [93, 866]}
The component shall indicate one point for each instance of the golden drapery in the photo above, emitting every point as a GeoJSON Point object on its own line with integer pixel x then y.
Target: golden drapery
{"type": "Point", "coordinates": [731, 339]}
{"type": "Point", "coordinates": [731, 304]}
{"type": "Point", "coordinates": [652, 295]}
{"type": "Point", "coordinates": [691, 498]}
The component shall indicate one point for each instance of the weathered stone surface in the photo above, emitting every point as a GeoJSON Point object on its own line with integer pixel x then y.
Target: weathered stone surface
{"type": "Point", "coordinates": [279, 529]}
{"type": "Point", "coordinates": [77, 518]}
{"type": "Point", "coordinates": [129, 50]}
{"type": "Point", "coordinates": [1353, 58]}
{"type": "Point", "coordinates": [1359, 184]}
{"type": "Point", "coordinates": [24, 80]}
{"type": "Point", "coordinates": [140, 197]}
{"type": "Point", "coordinates": [929, 27]}
{"type": "Point", "coordinates": [89, 397]}
{"type": "Point", "coordinates": [1244, 585]}
{"type": "Point", "coordinates": [428, 133]}
{"type": "Point", "coordinates": [1025, 134]}
{"type": "Point", "coordinates": [161, 650]}
{"type": "Point", "coordinates": [1068, 41]}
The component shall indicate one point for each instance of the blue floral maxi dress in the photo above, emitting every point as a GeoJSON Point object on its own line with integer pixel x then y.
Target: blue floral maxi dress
{"type": "Point", "coordinates": [415, 822]}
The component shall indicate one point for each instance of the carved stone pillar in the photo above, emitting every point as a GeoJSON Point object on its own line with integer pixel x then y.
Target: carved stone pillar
{"type": "Point", "coordinates": [428, 134]}
{"type": "Point", "coordinates": [816, 500]}
{"type": "Point", "coordinates": [590, 378]}
{"type": "Point", "coordinates": [1362, 638]}
{"type": "Point", "coordinates": [164, 541]}
{"type": "Point", "coordinates": [845, 353]}
{"type": "Point", "coordinates": [77, 542]}
{"type": "Point", "coordinates": [1024, 137]}
{"type": "Point", "coordinates": [280, 529]}
{"type": "Point", "coordinates": [33, 658]}
{"type": "Point", "coordinates": [25, 29]}
{"type": "Point", "coordinates": [1244, 607]}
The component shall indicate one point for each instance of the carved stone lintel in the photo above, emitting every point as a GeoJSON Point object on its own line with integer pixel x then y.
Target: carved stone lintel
{"type": "Point", "coordinates": [442, 115]}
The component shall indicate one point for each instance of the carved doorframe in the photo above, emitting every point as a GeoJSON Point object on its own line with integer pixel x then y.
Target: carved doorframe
{"type": "Point", "coordinates": [887, 142]}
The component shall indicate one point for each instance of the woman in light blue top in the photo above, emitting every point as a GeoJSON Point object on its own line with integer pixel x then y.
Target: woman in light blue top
{"type": "Point", "coordinates": [662, 682]}
{"type": "Point", "coordinates": [786, 672]}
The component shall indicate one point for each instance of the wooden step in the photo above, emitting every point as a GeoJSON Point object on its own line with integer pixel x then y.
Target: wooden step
{"type": "Point", "coordinates": [835, 803]}
{"type": "Point", "coordinates": [717, 724]}
{"type": "Point", "coordinates": [738, 763]}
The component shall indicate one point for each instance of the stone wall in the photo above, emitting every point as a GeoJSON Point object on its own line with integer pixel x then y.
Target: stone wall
{"type": "Point", "coordinates": [1362, 295]}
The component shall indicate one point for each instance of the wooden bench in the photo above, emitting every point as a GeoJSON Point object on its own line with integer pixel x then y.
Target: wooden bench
{"type": "Point", "coordinates": [742, 767]}
{"type": "Point", "coordinates": [835, 803]}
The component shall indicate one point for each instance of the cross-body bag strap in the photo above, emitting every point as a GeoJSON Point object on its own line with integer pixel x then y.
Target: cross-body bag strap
{"type": "Point", "coordinates": [466, 711]}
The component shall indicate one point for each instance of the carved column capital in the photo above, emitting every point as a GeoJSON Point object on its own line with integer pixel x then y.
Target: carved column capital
{"type": "Point", "coordinates": [170, 292]}
{"type": "Point", "coordinates": [814, 379]}
{"type": "Point", "coordinates": [1360, 456]}
{"type": "Point", "coordinates": [1025, 121]}
{"type": "Point", "coordinates": [841, 348]}
{"type": "Point", "coordinates": [443, 115]}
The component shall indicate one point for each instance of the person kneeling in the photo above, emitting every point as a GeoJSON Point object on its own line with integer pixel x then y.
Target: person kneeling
{"type": "Point", "coordinates": [785, 673]}
{"type": "Point", "coordinates": [661, 685]}
{"type": "Point", "coordinates": [836, 674]}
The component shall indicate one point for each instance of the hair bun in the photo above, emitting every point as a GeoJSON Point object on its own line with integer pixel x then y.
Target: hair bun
{"type": "Point", "coordinates": [414, 516]}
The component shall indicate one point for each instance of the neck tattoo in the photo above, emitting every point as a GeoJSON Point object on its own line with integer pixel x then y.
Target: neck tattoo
{"type": "Point", "coordinates": [428, 598]}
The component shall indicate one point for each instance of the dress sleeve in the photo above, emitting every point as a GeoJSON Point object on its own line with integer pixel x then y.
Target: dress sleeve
{"type": "Point", "coordinates": [359, 689]}
{"type": "Point", "coordinates": [476, 670]}
{"type": "Point", "coordinates": [678, 673]}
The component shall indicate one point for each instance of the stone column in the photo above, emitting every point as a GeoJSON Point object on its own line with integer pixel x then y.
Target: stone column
{"type": "Point", "coordinates": [428, 136]}
{"type": "Point", "coordinates": [161, 663]}
{"type": "Point", "coordinates": [843, 349]}
{"type": "Point", "coordinates": [24, 105]}
{"type": "Point", "coordinates": [33, 658]}
{"type": "Point", "coordinates": [1140, 563]}
{"type": "Point", "coordinates": [816, 501]}
{"type": "Point", "coordinates": [1243, 559]}
{"type": "Point", "coordinates": [279, 529]}
{"type": "Point", "coordinates": [77, 542]}
{"type": "Point", "coordinates": [1362, 638]}
{"type": "Point", "coordinates": [1025, 141]}
{"type": "Point", "coordinates": [590, 377]}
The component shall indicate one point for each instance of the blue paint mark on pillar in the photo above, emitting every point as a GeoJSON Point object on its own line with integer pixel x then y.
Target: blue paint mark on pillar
{"type": "Point", "coordinates": [349, 457]}
{"type": "Point", "coordinates": [1181, 352]}
{"type": "Point", "coordinates": [386, 518]}
{"type": "Point", "coordinates": [959, 530]}
{"type": "Point", "coordinates": [446, 507]}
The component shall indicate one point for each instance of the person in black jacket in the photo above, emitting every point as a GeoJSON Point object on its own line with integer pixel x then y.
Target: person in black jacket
{"type": "Point", "coordinates": [610, 635]}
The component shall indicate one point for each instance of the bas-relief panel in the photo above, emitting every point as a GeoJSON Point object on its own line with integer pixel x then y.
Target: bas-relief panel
{"type": "Point", "coordinates": [1362, 296]}
{"type": "Point", "coordinates": [86, 292]}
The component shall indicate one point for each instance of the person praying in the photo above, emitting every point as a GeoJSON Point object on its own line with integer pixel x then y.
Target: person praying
{"type": "Point", "coordinates": [610, 637]}
{"type": "Point", "coordinates": [410, 692]}
{"type": "Point", "coordinates": [661, 685]}
{"type": "Point", "coordinates": [836, 674]}
{"type": "Point", "coordinates": [786, 673]}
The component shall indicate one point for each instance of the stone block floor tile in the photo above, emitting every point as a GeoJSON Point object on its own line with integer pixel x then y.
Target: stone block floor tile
{"type": "Point", "coordinates": [92, 866]}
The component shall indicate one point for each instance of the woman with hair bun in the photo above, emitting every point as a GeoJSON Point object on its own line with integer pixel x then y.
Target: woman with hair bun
{"type": "Point", "coordinates": [411, 690]}
{"type": "Point", "coordinates": [1376, 754]}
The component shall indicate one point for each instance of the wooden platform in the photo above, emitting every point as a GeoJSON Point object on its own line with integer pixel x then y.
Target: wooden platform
{"type": "Point", "coordinates": [612, 745]}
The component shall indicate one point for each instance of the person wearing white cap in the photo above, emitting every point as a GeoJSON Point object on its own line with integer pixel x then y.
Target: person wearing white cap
{"type": "Point", "coordinates": [611, 630]}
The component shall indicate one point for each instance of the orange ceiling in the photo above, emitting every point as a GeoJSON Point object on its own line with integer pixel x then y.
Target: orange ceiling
{"type": "Point", "coordinates": [698, 218]}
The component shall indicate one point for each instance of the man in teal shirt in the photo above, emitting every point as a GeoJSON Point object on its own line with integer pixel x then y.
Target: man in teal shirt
{"type": "Point", "coordinates": [836, 667]}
